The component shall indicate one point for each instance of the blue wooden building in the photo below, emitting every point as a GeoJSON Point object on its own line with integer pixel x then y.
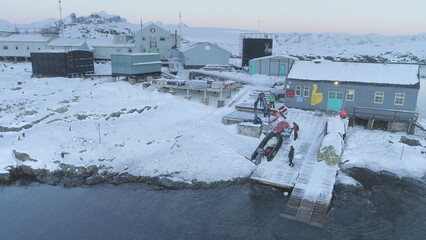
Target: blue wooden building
{"type": "Point", "coordinates": [381, 94]}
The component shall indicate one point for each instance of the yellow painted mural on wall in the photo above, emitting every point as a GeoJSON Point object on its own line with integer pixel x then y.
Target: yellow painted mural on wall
{"type": "Point", "coordinates": [316, 97]}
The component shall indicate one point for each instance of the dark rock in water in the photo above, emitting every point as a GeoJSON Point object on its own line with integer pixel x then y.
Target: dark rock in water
{"type": "Point", "coordinates": [95, 179]}
{"type": "Point", "coordinates": [5, 178]}
{"type": "Point", "coordinates": [410, 142]}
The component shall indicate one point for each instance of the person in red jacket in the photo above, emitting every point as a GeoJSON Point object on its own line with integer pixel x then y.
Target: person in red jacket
{"type": "Point", "coordinates": [295, 130]}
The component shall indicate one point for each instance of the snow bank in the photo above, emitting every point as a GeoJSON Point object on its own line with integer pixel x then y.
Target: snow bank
{"type": "Point", "coordinates": [118, 126]}
{"type": "Point", "coordinates": [379, 150]}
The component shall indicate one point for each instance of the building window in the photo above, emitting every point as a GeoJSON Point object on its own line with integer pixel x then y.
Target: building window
{"type": "Point", "coordinates": [378, 97]}
{"type": "Point", "coordinates": [130, 50]}
{"type": "Point", "coordinates": [399, 98]}
{"type": "Point", "coordinates": [306, 91]}
{"type": "Point", "coordinates": [5, 47]}
{"type": "Point", "coordinates": [350, 95]}
{"type": "Point", "coordinates": [118, 50]}
{"type": "Point", "coordinates": [143, 39]}
{"type": "Point", "coordinates": [298, 91]}
{"type": "Point", "coordinates": [28, 47]}
{"type": "Point", "coordinates": [16, 47]}
{"type": "Point", "coordinates": [162, 39]}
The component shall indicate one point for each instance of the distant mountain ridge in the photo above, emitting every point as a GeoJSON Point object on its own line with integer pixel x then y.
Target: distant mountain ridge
{"type": "Point", "coordinates": [94, 18]}
{"type": "Point", "coordinates": [307, 46]}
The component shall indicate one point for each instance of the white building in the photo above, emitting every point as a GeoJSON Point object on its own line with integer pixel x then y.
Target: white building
{"type": "Point", "coordinates": [201, 54]}
{"type": "Point", "coordinates": [150, 39]}
{"type": "Point", "coordinates": [68, 44]}
{"type": "Point", "coordinates": [154, 39]}
{"type": "Point", "coordinates": [104, 48]}
{"type": "Point", "coordinates": [17, 47]}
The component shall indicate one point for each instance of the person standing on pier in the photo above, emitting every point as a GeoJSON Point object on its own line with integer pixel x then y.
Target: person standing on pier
{"type": "Point", "coordinates": [295, 130]}
{"type": "Point", "coordinates": [272, 100]}
{"type": "Point", "coordinates": [291, 156]}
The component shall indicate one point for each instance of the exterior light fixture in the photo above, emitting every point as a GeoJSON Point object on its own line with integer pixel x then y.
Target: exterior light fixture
{"type": "Point", "coordinates": [336, 83]}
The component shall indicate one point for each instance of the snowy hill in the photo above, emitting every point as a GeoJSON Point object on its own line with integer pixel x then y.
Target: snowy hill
{"type": "Point", "coordinates": [332, 46]}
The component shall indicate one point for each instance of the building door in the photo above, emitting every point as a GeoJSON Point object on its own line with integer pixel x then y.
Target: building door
{"type": "Point", "coordinates": [335, 100]}
{"type": "Point", "coordinates": [252, 69]}
{"type": "Point", "coordinates": [153, 44]}
{"type": "Point", "coordinates": [281, 70]}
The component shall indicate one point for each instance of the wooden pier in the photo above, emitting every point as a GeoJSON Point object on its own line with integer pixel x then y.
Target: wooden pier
{"type": "Point", "coordinates": [311, 181]}
{"type": "Point", "coordinates": [311, 196]}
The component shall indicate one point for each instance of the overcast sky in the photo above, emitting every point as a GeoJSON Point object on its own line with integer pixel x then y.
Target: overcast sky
{"type": "Point", "coordinates": [388, 17]}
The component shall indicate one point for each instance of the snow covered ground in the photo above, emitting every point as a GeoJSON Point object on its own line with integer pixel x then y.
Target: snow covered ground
{"type": "Point", "coordinates": [145, 132]}
{"type": "Point", "coordinates": [379, 150]}
{"type": "Point", "coordinates": [172, 136]}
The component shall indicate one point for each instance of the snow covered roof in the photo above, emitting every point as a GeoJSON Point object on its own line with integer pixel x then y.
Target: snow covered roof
{"type": "Point", "coordinates": [51, 51]}
{"type": "Point", "coordinates": [187, 48]}
{"type": "Point", "coordinates": [67, 42]}
{"type": "Point", "coordinates": [25, 38]}
{"type": "Point", "coordinates": [58, 51]}
{"type": "Point", "coordinates": [106, 42]}
{"type": "Point", "coordinates": [399, 74]}
{"type": "Point", "coordinates": [135, 54]}
{"type": "Point", "coordinates": [276, 56]}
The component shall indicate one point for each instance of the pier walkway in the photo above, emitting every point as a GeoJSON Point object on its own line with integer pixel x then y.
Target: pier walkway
{"type": "Point", "coordinates": [312, 182]}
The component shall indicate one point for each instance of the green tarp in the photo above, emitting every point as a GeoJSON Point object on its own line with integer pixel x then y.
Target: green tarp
{"type": "Point", "coordinates": [328, 155]}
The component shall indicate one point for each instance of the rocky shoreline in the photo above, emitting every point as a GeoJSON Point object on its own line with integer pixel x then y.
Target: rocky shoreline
{"type": "Point", "coordinates": [68, 175]}
{"type": "Point", "coordinates": [71, 176]}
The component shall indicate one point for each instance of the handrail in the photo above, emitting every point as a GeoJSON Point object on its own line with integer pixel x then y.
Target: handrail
{"type": "Point", "coordinates": [393, 114]}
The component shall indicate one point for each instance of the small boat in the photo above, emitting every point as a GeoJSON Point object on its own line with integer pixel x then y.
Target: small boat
{"type": "Point", "coordinates": [268, 147]}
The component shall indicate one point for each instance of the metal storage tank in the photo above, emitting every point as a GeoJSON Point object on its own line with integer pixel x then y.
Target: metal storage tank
{"type": "Point", "coordinates": [61, 63]}
{"type": "Point", "coordinates": [131, 64]}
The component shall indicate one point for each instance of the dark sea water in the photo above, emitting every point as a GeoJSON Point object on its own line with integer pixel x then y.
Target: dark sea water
{"type": "Point", "coordinates": [385, 207]}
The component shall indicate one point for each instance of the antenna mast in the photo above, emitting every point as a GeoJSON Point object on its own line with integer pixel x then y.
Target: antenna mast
{"type": "Point", "coordinates": [61, 22]}
{"type": "Point", "coordinates": [180, 25]}
{"type": "Point", "coordinates": [141, 37]}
